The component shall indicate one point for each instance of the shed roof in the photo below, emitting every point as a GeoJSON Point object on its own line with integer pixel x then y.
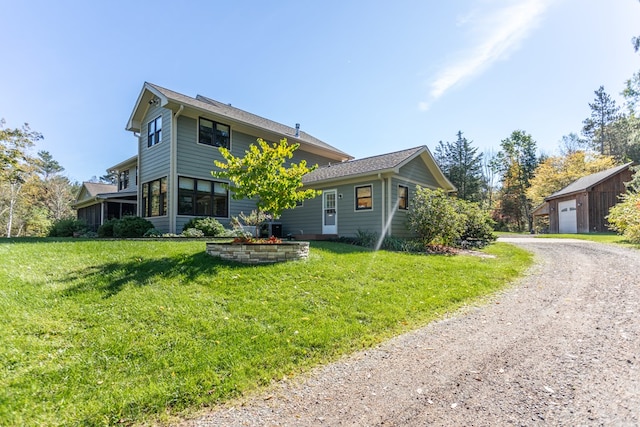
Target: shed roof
{"type": "Point", "coordinates": [586, 182]}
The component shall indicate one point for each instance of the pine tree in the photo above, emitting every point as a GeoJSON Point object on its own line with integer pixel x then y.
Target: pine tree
{"type": "Point", "coordinates": [462, 165]}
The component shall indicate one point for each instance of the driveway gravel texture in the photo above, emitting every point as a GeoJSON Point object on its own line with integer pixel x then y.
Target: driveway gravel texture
{"type": "Point", "coordinates": [560, 347]}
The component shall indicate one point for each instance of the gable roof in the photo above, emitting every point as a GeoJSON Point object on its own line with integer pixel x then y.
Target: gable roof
{"type": "Point", "coordinates": [380, 164]}
{"type": "Point", "coordinates": [586, 182]}
{"type": "Point", "coordinates": [91, 192]}
{"type": "Point", "coordinates": [169, 98]}
{"type": "Point", "coordinates": [94, 188]}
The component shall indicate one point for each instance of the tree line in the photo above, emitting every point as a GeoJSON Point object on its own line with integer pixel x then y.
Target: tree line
{"type": "Point", "coordinates": [511, 182]}
{"type": "Point", "coordinates": [33, 191]}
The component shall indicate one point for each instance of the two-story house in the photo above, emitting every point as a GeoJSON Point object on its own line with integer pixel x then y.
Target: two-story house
{"type": "Point", "coordinates": [177, 142]}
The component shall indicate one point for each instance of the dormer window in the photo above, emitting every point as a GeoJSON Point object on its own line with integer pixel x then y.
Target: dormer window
{"type": "Point", "coordinates": [154, 131]}
{"type": "Point", "coordinates": [214, 134]}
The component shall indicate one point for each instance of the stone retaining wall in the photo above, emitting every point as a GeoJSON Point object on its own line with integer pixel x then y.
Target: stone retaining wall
{"type": "Point", "coordinates": [259, 253]}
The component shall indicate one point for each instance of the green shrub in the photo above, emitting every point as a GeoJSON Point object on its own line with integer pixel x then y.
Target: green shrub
{"type": "Point", "coordinates": [367, 239]}
{"type": "Point", "coordinates": [67, 227]}
{"type": "Point", "coordinates": [478, 225]}
{"type": "Point", "coordinates": [192, 232]}
{"type": "Point", "coordinates": [208, 225]}
{"type": "Point", "coordinates": [106, 229]}
{"type": "Point", "coordinates": [434, 217]}
{"type": "Point", "coordinates": [131, 226]}
{"type": "Point", "coordinates": [625, 217]}
{"type": "Point", "coordinates": [152, 232]}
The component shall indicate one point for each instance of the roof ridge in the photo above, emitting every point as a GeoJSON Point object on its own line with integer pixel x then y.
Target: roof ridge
{"type": "Point", "coordinates": [215, 102]}
{"type": "Point", "coordinates": [386, 154]}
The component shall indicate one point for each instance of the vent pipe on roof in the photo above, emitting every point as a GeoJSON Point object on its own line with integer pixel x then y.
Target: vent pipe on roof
{"type": "Point", "coordinates": [297, 130]}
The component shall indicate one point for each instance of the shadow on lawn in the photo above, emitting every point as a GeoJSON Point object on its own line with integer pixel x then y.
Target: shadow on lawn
{"type": "Point", "coordinates": [110, 278]}
{"type": "Point", "coordinates": [338, 247]}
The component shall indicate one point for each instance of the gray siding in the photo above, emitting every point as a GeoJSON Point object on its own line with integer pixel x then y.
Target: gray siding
{"type": "Point", "coordinates": [349, 219]}
{"type": "Point", "coordinates": [399, 221]}
{"type": "Point", "coordinates": [154, 160]}
{"type": "Point", "coordinates": [160, 222]}
{"type": "Point", "coordinates": [309, 217]}
{"type": "Point", "coordinates": [312, 159]}
{"type": "Point", "coordinates": [416, 170]}
{"type": "Point", "coordinates": [305, 219]}
{"type": "Point", "coordinates": [133, 183]}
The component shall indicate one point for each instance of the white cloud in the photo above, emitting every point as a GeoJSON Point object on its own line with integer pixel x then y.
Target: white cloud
{"type": "Point", "coordinates": [499, 32]}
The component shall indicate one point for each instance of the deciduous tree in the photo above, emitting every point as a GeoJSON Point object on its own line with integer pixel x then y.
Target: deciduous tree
{"type": "Point", "coordinates": [263, 174]}
{"type": "Point", "coordinates": [14, 164]}
{"type": "Point", "coordinates": [555, 173]}
{"type": "Point", "coordinates": [517, 162]}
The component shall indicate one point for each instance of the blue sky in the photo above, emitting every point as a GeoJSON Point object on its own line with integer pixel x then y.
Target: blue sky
{"type": "Point", "coordinates": [368, 77]}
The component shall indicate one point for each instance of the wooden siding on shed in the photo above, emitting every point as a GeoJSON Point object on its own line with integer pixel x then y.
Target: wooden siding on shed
{"type": "Point", "coordinates": [593, 206]}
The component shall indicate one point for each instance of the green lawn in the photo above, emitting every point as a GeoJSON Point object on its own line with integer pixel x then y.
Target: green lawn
{"type": "Point", "coordinates": [105, 332]}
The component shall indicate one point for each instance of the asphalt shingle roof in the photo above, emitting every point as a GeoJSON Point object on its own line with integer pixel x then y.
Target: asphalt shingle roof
{"type": "Point", "coordinates": [367, 165]}
{"type": "Point", "coordinates": [582, 184]}
{"type": "Point", "coordinates": [226, 110]}
{"type": "Point", "coordinates": [95, 188]}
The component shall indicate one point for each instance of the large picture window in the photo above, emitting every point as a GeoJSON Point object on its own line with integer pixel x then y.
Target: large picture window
{"type": "Point", "coordinates": [403, 197]}
{"type": "Point", "coordinates": [154, 131]}
{"type": "Point", "coordinates": [200, 197]}
{"type": "Point", "coordinates": [213, 133]}
{"type": "Point", "coordinates": [364, 198]}
{"type": "Point", "coordinates": [154, 198]}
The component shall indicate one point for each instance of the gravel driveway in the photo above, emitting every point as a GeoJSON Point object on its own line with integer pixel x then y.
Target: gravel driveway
{"type": "Point", "coordinates": [562, 347]}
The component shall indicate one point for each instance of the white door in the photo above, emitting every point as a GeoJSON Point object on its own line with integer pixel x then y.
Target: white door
{"type": "Point", "coordinates": [330, 212]}
{"type": "Point", "coordinates": [567, 218]}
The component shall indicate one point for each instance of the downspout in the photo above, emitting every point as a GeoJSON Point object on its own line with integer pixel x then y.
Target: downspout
{"type": "Point", "coordinates": [390, 206]}
{"type": "Point", "coordinates": [173, 174]}
{"type": "Point", "coordinates": [383, 203]}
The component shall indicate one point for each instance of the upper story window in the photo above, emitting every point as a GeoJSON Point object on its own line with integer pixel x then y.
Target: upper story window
{"type": "Point", "coordinates": [123, 180]}
{"type": "Point", "coordinates": [213, 133]}
{"type": "Point", "coordinates": [364, 198]}
{"type": "Point", "coordinates": [154, 198]}
{"type": "Point", "coordinates": [403, 197]}
{"type": "Point", "coordinates": [154, 131]}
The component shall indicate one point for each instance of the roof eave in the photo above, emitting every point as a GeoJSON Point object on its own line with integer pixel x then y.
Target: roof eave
{"type": "Point", "coordinates": [147, 93]}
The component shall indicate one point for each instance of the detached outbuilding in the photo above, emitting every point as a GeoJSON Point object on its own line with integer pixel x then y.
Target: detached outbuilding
{"type": "Point", "coordinates": [583, 206]}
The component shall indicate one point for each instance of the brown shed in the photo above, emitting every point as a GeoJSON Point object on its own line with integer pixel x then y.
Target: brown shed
{"type": "Point", "coordinates": [582, 206]}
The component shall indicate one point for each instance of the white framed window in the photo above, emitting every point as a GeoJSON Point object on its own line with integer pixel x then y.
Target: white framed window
{"type": "Point", "coordinates": [154, 131]}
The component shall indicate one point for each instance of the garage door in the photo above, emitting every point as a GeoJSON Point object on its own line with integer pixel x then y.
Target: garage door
{"type": "Point", "coordinates": [567, 218]}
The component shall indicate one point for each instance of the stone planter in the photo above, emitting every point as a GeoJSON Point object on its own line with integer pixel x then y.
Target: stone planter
{"type": "Point", "coordinates": [259, 253]}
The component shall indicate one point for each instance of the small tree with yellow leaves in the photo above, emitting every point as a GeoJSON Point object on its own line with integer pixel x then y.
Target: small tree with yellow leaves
{"type": "Point", "coordinates": [263, 174]}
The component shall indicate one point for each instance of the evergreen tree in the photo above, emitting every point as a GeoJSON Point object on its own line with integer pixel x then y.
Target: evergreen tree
{"type": "Point", "coordinates": [597, 128]}
{"type": "Point", "coordinates": [462, 165]}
